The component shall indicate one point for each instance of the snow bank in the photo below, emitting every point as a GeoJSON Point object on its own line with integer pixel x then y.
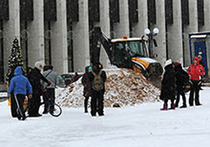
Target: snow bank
{"type": "Point", "coordinates": [123, 87]}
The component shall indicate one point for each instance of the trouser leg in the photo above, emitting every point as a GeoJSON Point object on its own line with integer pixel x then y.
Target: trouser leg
{"type": "Point", "coordinates": [177, 99]}
{"type": "Point", "coordinates": [197, 89]}
{"type": "Point", "coordinates": [100, 104]}
{"type": "Point", "coordinates": [13, 106]}
{"type": "Point", "coordinates": [86, 103]}
{"type": "Point", "coordinates": [21, 98]}
{"type": "Point", "coordinates": [93, 104]}
{"type": "Point", "coordinates": [45, 99]}
{"type": "Point", "coordinates": [192, 90]}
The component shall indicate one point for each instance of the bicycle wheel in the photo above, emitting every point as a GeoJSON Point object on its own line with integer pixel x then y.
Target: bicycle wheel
{"type": "Point", "coordinates": [41, 108]}
{"type": "Point", "coordinates": [56, 111]}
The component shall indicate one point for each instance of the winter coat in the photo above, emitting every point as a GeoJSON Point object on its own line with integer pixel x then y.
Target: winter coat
{"type": "Point", "coordinates": [53, 77]}
{"type": "Point", "coordinates": [91, 78]}
{"type": "Point", "coordinates": [86, 83]}
{"type": "Point", "coordinates": [168, 86]}
{"type": "Point", "coordinates": [182, 78]}
{"type": "Point", "coordinates": [195, 71]}
{"type": "Point", "coordinates": [19, 83]}
{"type": "Point", "coordinates": [35, 78]}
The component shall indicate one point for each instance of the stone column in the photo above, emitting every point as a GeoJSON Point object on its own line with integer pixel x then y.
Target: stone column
{"type": "Point", "coordinates": [59, 39]}
{"type": "Point", "coordinates": [81, 53]}
{"type": "Point", "coordinates": [161, 37]}
{"type": "Point", "coordinates": [36, 34]}
{"type": "Point", "coordinates": [122, 28]}
{"type": "Point", "coordinates": [11, 30]}
{"type": "Point", "coordinates": [105, 27]}
{"type": "Point", "coordinates": [143, 19]}
{"type": "Point", "coordinates": [192, 27]}
{"type": "Point", "coordinates": [175, 46]}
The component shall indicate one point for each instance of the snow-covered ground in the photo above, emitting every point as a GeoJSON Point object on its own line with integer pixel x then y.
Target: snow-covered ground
{"type": "Point", "coordinates": [142, 125]}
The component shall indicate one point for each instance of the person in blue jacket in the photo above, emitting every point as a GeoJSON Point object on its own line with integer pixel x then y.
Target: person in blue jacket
{"type": "Point", "coordinates": [20, 85]}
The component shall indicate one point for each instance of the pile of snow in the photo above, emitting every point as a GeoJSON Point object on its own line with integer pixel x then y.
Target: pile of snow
{"type": "Point", "coordinates": [123, 87]}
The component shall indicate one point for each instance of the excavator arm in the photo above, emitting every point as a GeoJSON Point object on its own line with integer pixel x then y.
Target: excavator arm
{"type": "Point", "coordinates": [98, 38]}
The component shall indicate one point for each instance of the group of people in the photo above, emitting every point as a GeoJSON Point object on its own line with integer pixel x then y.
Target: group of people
{"type": "Point", "coordinates": [175, 80]}
{"type": "Point", "coordinates": [93, 81]}
{"type": "Point", "coordinates": [33, 86]}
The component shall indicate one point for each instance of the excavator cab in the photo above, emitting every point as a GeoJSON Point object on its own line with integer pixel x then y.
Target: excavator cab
{"type": "Point", "coordinates": [124, 49]}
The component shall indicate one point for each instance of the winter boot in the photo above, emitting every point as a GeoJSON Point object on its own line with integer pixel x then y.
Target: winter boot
{"type": "Point", "coordinates": [165, 107]}
{"type": "Point", "coordinates": [184, 106]}
{"type": "Point", "coordinates": [172, 106]}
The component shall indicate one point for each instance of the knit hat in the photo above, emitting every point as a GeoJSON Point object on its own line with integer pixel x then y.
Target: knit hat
{"type": "Point", "coordinates": [89, 68]}
{"type": "Point", "coordinates": [168, 62]}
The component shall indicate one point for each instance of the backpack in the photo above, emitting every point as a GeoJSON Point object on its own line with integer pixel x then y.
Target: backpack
{"type": "Point", "coordinates": [98, 83]}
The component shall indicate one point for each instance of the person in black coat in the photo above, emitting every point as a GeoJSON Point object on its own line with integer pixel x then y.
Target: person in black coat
{"type": "Point", "coordinates": [97, 96]}
{"type": "Point", "coordinates": [182, 78]}
{"type": "Point", "coordinates": [87, 87]}
{"type": "Point", "coordinates": [35, 78]}
{"type": "Point", "coordinates": [168, 86]}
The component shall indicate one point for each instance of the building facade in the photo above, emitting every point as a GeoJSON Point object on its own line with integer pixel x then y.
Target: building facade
{"type": "Point", "coordinates": [58, 32]}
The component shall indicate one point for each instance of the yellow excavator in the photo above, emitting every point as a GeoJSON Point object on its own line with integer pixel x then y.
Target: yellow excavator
{"type": "Point", "coordinates": [132, 53]}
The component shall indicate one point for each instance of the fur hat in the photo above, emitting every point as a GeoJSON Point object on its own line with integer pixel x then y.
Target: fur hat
{"type": "Point", "coordinates": [168, 62]}
{"type": "Point", "coordinates": [39, 65]}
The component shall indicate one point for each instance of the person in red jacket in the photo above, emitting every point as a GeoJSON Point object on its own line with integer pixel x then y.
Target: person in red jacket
{"type": "Point", "coordinates": [195, 71]}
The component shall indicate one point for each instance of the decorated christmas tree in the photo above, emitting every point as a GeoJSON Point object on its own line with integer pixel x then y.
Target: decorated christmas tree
{"type": "Point", "coordinates": [15, 59]}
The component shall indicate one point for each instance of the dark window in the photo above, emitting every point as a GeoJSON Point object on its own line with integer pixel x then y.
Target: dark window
{"type": "Point", "coordinates": [169, 11]}
{"type": "Point", "coordinates": [200, 5]}
{"type": "Point", "coordinates": [114, 11]}
{"type": "Point", "coordinates": [26, 10]}
{"type": "Point", "coordinates": [24, 42]}
{"type": "Point", "coordinates": [185, 12]}
{"type": "Point", "coordinates": [94, 13]}
{"type": "Point", "coordinates": [1, 53]}
{"type": "Point", "coordinates": [70, 47]}
{"type": "Point", "coordinates": [133, 11]}
{"type": "Point", "coordinates": [4, 9]}
{"type": "Point", "coordinates": [72, 10]}
{"type": "Point", "coordinates": [50, 10]}
{"type": "Point", "coordinates": [47, 42]}
{"type": "Point", "coordinates": [151, 11]}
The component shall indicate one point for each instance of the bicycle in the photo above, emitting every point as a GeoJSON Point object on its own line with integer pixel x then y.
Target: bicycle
{"type": "Point", "coordinates": [52, 108]}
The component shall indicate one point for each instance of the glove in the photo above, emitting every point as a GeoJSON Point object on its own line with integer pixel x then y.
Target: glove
{"type": "Point", "coordinates": [43, 89]}
{"type": "Point", "coordinates": [48, 83]}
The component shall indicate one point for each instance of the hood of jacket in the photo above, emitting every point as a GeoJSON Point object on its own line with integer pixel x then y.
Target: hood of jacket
{"type": "Point", "coordinates": [18, 71]}
{"type": "Point", "coordinates": [196, 58]}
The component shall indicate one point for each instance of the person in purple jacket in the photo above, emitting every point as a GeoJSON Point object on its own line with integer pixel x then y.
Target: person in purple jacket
{"type": "Point", "coordinates": [20, 85]}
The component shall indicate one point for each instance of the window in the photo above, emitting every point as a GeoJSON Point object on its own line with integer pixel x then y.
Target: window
{"type": "Point", "coordinates": [151, 11]}
{"type": "Point", "coordinates": [169, 11]}
{"type": "Point", "coordinates": [93, 10]}
{"type": "Point", "coordinates": [185, 12]}
{"type": "Point", "coordinates": [114, 11]}
{"type": "Point", "coordinates": [4, 10]}
{"type": "Point", "coordinates": [47, 42]}
{"type": "Point", "coordinates": [70, 47]}
{"type": "Point", "coordinates": [72, 10]}
{"type": "Point", "coordinates": [50, 10]}
{"type": "Point", "coordinates": [24, 42]}
{"type": "Point", "coordinates": [26, 10]}
{"type": "Point", "coordinates": [200, 6]}
{"type": "Point", "coordinates": [133, 11]}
